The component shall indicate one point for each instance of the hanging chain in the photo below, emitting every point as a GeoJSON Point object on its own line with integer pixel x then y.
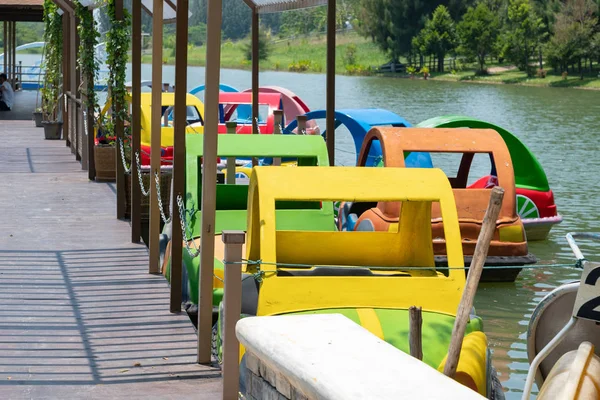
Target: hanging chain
{"type": "Point", "coordinates": [257, 125]}
{"type": "Point", "coordinates": [160, 203]}
{"type": "Point", "coordinates": [182, 220]}
{"type": "Point", "coordinates": [85, 122]}
{"type": "Point", "coordinates": [125, 167]}
{"type": "Point", "coordinates": [139, 171]}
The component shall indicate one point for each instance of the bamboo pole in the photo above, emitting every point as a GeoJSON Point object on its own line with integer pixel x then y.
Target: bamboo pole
{"type": "Point", "coordinates": [475, 269]}
{"type": "Point", "coordinates": [415, 339]}
{"type": "Point", "coordinates": [330, 113]}
{"type": "Point", "coordinates": [209, 181]}
{"type": "Point", "coordinates": [136, 124]}
{"type": "Point", "coordinates": [180, 119]}
{"type": "Point", "coordinates": [232, 308]}
{"type": "Point", "coordinates": [157, 52]}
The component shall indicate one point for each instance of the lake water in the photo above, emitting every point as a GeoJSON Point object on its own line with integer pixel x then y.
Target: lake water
{"type": "Point", "coordinates": [561, 126]}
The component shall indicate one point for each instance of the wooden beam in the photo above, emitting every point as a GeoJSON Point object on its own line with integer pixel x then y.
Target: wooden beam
{"type": "Point", "coordinates": [65, 5]}
{"type": "Point", "coordinates": [180, 113]}
{"type": "Point", "coordinates": [14, 54]}
{"type": "Point", "coordinates": [255, 71]}
{"type": "Point", "coordinates": [136, 123]}
{"type": "Point", "coordinates": [5, 41]}
{"type": "Point", "coordinates": [157, 52]}
{"type": "Point", "coordinates": [119, 133]}
{"type": "Point", "coordinates": [90, 127]}
{"type": "Point", "coordinates": [209, 179]}
{"type": "Point", "coordinates": [330, 113]}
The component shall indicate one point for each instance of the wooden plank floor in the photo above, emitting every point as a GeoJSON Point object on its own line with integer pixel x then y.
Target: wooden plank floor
{"type": "Point", "coordinates": [80, 317]}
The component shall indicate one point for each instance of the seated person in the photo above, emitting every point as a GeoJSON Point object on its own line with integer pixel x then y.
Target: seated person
{"type": "Point", "coordinates": [8, 95]}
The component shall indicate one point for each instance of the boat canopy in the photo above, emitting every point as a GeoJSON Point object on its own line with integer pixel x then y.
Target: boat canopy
{"type": "Point", "coordinates": [273, 6]}
{"type": "Point", "coordinates": [529, 173]}
{"type": "Point", "coordinates": [359, 121]}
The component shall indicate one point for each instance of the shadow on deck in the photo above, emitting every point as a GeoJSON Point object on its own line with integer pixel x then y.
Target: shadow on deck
{"type": "Point", "coordinates": [80, 317]}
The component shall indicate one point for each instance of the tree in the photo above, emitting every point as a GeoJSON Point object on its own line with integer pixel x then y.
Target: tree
{"type": "Point", "coordinates": [523, 35]}
{"type": "Point", "coordinates": [438, 37]}
{"type": "Point", "coordinates": [393, 23]}
{"type": "Point", "coordinates": [478, 32]}
{"type": "Point", "coordinates": [573, 37]}
{"type": "Point", "coordinates": [264, 46]}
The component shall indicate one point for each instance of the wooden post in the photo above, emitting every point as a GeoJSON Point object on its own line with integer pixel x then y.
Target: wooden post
{"type": "Point", "coordinates": [255, 71]}
{"type": "Point", "coordinates": [232, 307]}
{"type": "Point", "coordinates": [73, 79]}
{"type": "Point", "coordinates": [278, 120]}
{"type": "Point", "coordinates": [209, 179]}
{"type": "Point", "coordinates": [136, 124]}
{"type": "Point", "coordinates": [119, 133]}
{"type": "Point", "coordinates": [330, 113]}
{"type": "Point", "coordinates": [180, 122]}
{"type": "Point", "coordinates": [475, 269]}
{"type": "Point", "coordinates": [231, 128]}
{"type": "Point", "coordinates": [157, 44]}
{"type": "Point", "coordinates": [5, 24]}
{"type": "Point", "coordinates": [66, 81]}
{"type": "Point", "coordinates": [301, 125]}
{"type": "Point", "coordinates": [415, 339]}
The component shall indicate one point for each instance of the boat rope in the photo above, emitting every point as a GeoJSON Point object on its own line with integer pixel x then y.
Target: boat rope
{"type": "Point", "coordinates": [139, 171]}
{"type": "Point", "coordinates": [160, 203]}
{"type": "Point", "coordinates": [574, 265]}
{"type": "Point", "coordinates": [122, 151]}
{"type": "Point", "coordinates": [184, 229]}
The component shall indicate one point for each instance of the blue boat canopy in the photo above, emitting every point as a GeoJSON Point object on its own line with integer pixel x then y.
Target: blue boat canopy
{"type": "Point", "coordinates": [359, 121]}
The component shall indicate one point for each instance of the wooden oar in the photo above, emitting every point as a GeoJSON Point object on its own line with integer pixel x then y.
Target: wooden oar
{"type": "Point", "coordinates": [475, 270]}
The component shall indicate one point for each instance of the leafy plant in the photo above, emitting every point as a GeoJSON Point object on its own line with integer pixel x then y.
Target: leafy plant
{"type": "Point", "coordinates": [411, 70]}
{"type": "Point", "coordinates": [117, 46]}
{"type": "Point", "coordinates": [88, 64]}
{"type": "Point", "coordinates": [438, 37]}
{"type": "Point", "coordinates": [425, 72]}
{"type": "Point", "coordinates": [350, 55]}
{"type": "Point", "coordinates": [51, 91]}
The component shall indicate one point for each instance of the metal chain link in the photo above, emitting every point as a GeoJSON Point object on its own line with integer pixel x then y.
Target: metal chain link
{"type": "Point", "coordinates": [145, 192]}
{"type": "Point", "coordinates": [257, 125]}
{"type": "Point", "coordinates": [182, 220]}
{"type": "Point", "coordinates": [160, 203]}
{"type": "Point", "coordinates": [125, 167]}
{"type": "Point", "coordinates": [85, 122]}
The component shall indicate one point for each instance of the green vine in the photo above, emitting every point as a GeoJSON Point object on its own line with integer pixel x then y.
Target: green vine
{"type": "Point", "coordinates": [88, 64]}
{"type": "Point", "coordinates": [51, 91]}
{"type": "Point", "coordinates": [117, 46]}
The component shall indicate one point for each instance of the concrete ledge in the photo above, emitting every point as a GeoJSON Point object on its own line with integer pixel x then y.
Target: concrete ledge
{"type": "Point", "coordinates": [331, 357]}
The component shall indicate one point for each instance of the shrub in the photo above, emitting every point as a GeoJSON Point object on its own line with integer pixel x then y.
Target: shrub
{"type": "Point", "coordinates": [541, 73]}
{"type": "Point", "coordinates": [350, 55]}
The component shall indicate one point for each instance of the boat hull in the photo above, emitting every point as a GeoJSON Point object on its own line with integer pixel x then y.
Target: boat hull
{"type": "Point", "coordinates": [538, 228]}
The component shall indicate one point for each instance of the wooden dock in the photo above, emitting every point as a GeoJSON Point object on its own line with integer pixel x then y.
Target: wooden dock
{"type": "Point", "coordinates": [80, 317]}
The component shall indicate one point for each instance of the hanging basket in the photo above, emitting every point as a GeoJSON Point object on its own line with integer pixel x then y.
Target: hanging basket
{"type": "Point", "coordinates": [165, 191]}
{"type": "Point", "coordinates": [105, 157]}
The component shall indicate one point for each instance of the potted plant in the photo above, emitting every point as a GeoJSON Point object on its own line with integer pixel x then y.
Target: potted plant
{"type": "Point", "coordinates": [411, 71]}
{"type": "Point", "coordinates": [105, 150]}
{"type": "Point", "coordinates": [51, 91]}
{"type": "Point", "coordinates": [425, 72]}
{"type": "Point", "coordinates": [37, 117]}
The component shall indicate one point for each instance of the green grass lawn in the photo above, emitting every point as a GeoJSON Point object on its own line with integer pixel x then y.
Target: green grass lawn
{"type": "Point", "coordinates": [302, 55]}
{"type": "Point", "coordinates": [308, 54]}
{"type": "Point", "coordinates": [514, 76]}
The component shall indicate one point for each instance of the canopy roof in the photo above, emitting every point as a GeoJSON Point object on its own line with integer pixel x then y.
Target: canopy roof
{"type": "Point", "coordinates": [273, 6]}
{"type": "Point", "coordinates": [169, 9]}
{"type": "Point", "coordinates": [21, 10]}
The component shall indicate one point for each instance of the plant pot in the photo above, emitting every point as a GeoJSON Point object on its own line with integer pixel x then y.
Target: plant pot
{"type": "Point", "coordinates": [165, 191]}
{"type": "Point", "coordinates": [52, 129]}
{"type": "Point", "coordinates": [105, 160]}
{"type": "Point", "coordinates": [37, 117]}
